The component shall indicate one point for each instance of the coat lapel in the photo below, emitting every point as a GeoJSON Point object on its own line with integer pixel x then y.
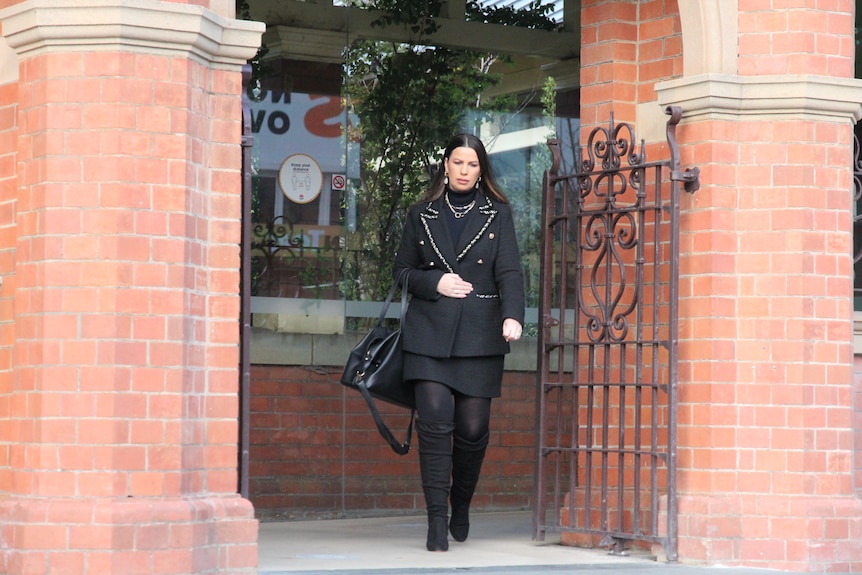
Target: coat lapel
{"type": "Point", "coordinates": [438, 234]}
{"type": "Point", "coordinates": [476, 226]}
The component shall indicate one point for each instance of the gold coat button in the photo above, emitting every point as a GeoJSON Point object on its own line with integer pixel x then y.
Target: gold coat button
{"type": "Point", "coordinates": [431, 264]}
{"type": "Point", "coordinates": [421, 242]}
{"type": "Point", "coordinates": [480, 262]}
{"type": "Point", "coordinates": [491, 236]}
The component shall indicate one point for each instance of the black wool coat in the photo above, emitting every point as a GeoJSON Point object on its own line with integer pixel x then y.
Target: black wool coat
{"type": "Point", "coordinates": [486, 256]}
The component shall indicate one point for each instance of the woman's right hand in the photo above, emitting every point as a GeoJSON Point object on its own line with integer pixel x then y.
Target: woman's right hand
{"type": "Point", "coordinates": [451, 285]}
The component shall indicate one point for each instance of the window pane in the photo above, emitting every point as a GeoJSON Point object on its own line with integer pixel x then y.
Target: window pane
{"type": "Point", "coordinates": [310, 174]}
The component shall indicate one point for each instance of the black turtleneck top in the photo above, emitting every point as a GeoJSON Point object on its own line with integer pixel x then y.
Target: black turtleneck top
{"type": "Point", "coordinates": [458, 199]}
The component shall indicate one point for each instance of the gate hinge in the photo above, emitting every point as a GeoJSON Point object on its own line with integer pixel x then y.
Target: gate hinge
{"type": "Point", "coordinates": [690, 178]}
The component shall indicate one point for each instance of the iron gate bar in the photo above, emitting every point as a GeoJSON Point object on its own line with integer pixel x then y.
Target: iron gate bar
{"type": "Point", "coordinates": [857, 213]}
{"type": "Point", "coordinates": [245, 292]}
{"type": "Point", "coordinates": [607, 220]}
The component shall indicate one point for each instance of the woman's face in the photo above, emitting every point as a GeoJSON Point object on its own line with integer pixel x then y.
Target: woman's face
{"type": "Point", "coordinates": [463, 169]}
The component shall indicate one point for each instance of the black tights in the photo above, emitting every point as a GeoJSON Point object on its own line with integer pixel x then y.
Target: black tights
{"type": "Point", "coordinates": [437, 402]}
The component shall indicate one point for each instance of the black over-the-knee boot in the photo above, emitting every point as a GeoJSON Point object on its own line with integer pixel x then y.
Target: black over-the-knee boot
{"type": "Point", "coordinates": [435, 463]}
{"type": "Point", "coordinates": [467, 458]}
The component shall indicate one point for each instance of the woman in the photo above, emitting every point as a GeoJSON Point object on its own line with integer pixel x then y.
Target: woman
{"type": "Point", "coordinates": [467, 304]}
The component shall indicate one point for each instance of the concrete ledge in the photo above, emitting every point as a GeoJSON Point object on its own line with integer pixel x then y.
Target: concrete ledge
{"type": "Point", "coordinates": [272, 348]}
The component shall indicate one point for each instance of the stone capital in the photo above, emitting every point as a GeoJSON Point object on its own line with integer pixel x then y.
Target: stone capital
{"type": "Point", "coordinates": [733, 97]}
{"type": "Point", "coordinates": [143, 26]}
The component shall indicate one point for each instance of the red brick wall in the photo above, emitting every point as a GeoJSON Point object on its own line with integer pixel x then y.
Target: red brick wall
{"type": "Point", "coordinates": [626, 47]}
{"type": "Point", "coordinates": [797, 37]}
{"type": "Point", "coordinates": [315, 451]}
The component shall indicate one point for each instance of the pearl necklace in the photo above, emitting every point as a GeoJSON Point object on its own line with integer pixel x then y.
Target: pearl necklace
{"type": "Point", "coordinates": [460, 211]}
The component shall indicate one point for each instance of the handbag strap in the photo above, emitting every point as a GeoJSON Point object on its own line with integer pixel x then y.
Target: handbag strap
{"type": "Point", "coordinates": [405, 273]}
{"type": "Point", "coordinates": [397, 447]}
{"type": "Point", "coordinates": [404, 296]}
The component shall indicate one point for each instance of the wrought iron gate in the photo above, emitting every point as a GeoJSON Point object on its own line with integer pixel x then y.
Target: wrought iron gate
{"type": "Point", "coordinates": [607, 365]}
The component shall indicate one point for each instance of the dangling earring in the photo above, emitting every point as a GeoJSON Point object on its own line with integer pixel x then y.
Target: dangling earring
{"type": "Point", "coordinates": [477, 182]}
{"type": "Point", "coordinates": [446, 179]}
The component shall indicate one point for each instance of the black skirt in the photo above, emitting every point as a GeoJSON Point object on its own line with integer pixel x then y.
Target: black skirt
{"type": "Point", "coordinates": [474, 376]}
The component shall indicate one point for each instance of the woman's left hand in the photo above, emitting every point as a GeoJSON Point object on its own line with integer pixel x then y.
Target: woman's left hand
{"type": "Point", "coordinates": [511, 329]}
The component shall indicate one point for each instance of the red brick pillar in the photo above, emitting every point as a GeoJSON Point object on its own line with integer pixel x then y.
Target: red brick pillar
{"type": "Point", "coordinates": [626, 47]}
{"type": "Point", "coordinates": [766, 424]}
{"type": "Point", "coordinates": [119, 233]}
{"type": "Point", "coordinates": [608, 61]}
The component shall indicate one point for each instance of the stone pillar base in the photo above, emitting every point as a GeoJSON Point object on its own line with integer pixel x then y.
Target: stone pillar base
{"type": "Point", "coordinates": [200, 535]}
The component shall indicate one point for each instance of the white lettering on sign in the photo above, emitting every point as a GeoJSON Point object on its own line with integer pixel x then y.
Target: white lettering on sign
{"type": "Point", "coordinates": [303, 123]}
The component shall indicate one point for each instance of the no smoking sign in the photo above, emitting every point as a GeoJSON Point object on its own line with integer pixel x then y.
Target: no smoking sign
{"type": "Point", "coordinates": [339, 181]}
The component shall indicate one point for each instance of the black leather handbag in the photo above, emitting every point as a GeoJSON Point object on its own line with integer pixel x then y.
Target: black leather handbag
{"type": "Point", "coordinates": [374, 368]}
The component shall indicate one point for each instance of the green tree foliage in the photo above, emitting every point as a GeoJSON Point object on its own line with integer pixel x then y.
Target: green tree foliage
{"type": "Point", "coordinates": [549, 106]}
{"type": "Point", "coordinates": [533, 15]}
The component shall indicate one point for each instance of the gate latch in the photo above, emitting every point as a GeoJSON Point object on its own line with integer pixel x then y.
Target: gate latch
{"type": "Point", "coordinates": [690, 178]}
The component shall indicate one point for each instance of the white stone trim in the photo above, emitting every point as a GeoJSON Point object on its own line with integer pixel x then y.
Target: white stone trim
{"type": "Point", "coordinates": [8, 64]}
{"type": "Point", "coordinates": [142, 26]}
{"type": "Point", "coordinates": [710, 36]}
{"type": "Point", "coordinates": [731, 97]}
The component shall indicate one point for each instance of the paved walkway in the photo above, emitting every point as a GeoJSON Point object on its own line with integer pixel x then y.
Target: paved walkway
{"type": "Point", "coordinates": [499, 544]}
